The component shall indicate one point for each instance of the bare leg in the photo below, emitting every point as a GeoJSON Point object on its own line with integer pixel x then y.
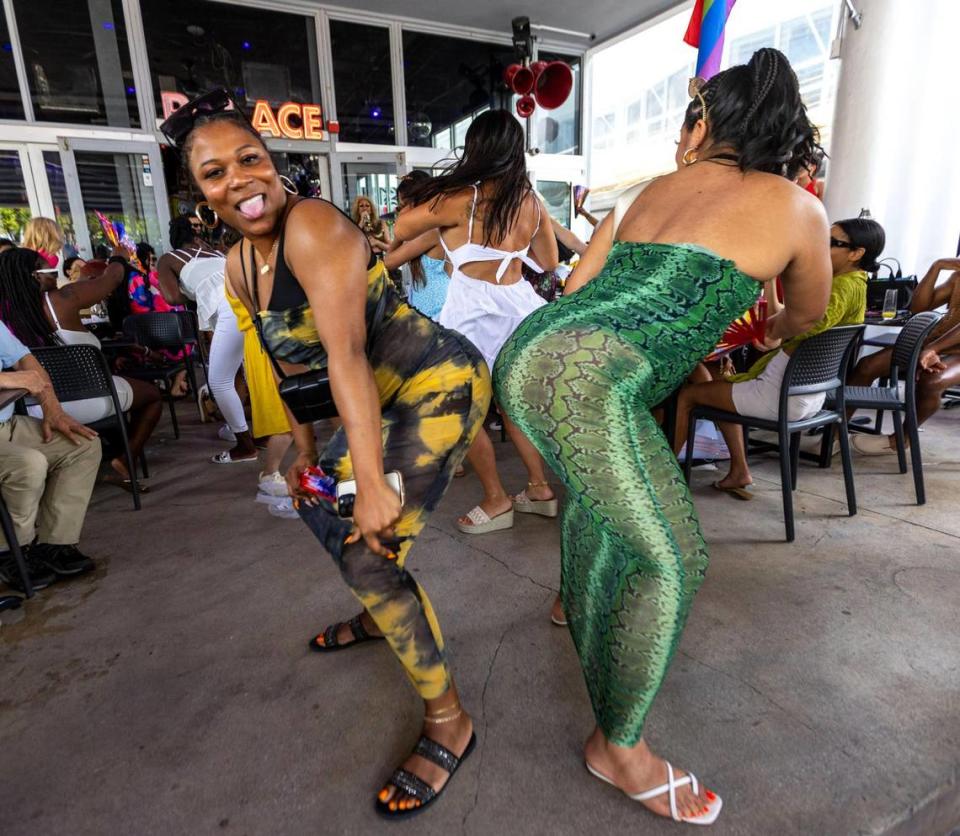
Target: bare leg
{"type": "Point", "coordinates": [536, 489]}
{"type": "Point", "coordinates": [483, 460]}
{"type": "Point", "coordinates": [718, 394]}
{"type": "Point", "coordinates": [277, 446]}
{"type": "Point", "coordinates": [636, 769]}
{"type": "Point", "coordinates": [145, 411]}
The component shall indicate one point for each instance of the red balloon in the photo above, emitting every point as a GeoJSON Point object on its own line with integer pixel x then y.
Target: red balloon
{"type": "Point", "coordinates": [554, 85]}
{"type": "Point", "coordinates": [525, 106]}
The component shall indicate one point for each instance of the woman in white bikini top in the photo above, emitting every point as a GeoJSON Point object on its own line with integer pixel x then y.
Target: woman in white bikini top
{"type": "Point", "coordinates": [488, 298]}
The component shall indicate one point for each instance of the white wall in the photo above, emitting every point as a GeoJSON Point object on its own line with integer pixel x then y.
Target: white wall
{"type": "Point", "coordinates": [896, 130]}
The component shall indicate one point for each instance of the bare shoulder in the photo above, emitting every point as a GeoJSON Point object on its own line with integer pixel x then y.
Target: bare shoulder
{"type": "Point", "coordinates": [317, 228]}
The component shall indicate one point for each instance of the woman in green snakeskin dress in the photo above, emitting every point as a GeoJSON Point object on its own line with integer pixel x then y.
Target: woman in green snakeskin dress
{"type": "Point", "coordinates": [580, 376]}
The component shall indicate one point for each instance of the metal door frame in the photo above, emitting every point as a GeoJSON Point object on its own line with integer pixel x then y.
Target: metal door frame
{"type": "Point", "coordinates": [313, 148]}
{"type": "Point", "coordinates": [69, 145]}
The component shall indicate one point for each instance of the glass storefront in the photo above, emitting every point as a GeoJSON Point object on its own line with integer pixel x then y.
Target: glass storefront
{"type": "Point", "coordinates": [197, 45]}
{"type": "Point", "coordinates": [377, 181]}
{"type": "Point", "coordinates": [447, 83]}
{"type": "Point", "coordinates": [363, 82]}
{"type": "Point", "coordinates": [61, 202]}
{"type": "Point", "coordinates": [78, 62]}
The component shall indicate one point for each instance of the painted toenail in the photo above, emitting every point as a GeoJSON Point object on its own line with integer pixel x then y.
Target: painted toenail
{"type": "Point", "coordinates": [711, 796]}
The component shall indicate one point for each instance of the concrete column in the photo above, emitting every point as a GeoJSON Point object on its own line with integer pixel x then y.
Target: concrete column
{"type": "Point", "coordinates": [894, 145]}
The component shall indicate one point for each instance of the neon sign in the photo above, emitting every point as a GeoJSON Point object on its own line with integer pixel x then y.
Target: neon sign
{"type": "Point", "coordinates": [291, 120]}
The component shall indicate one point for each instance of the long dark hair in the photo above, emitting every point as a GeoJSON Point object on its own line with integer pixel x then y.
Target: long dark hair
{"type": "Point", "coordinates": [756, 110]}
{"type": "Point", "coordinates": [493, 152]}
{"type": "Point", "coordinates": [405, 190]}
{"type": "Point", "coordinates": [866, 233]}
{"type": "Point", "coordinates": [21, 299]}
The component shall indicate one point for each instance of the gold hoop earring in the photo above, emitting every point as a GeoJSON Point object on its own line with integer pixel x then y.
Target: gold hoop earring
{"type": "Point", "coordinates": [199, 210]}
{"type": "Point", "coordinates": [686, 154]}
{"type": "Point", "coordinates": [288, 185]}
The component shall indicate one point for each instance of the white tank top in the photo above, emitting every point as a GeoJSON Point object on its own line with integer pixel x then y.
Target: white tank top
{"type": "Point", "coordinates": [70, 337]}
{"type": "Point", "coordinates": [201, 278]}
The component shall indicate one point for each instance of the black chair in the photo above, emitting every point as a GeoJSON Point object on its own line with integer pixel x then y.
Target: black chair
{"type": "Point", "coordinates": [190, 328]}
{"type": "Point", "coordinates": [159, 331]}
{"type": "Point", "coordinates": [78, 372]}
{"type": "Point", "coordinates": [10, 535]}
{"type": "Point", "coordinates": [886, 397]}
{"type": "Point", "coordinates": [815, 366]}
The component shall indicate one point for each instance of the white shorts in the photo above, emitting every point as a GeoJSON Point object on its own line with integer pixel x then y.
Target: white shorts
{"type": "Point", "coordinates": [487, 314]}
{"type": "Point", "coordinates": [761, 397]}
{"type": "Point", "coordinates": [90, 410]}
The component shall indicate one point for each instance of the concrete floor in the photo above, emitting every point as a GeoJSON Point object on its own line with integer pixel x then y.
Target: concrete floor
{"type": "Point", "coordinates": [816, 687]}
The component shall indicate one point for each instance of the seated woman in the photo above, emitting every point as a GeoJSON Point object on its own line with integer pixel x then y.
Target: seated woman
{"type": "Point", "coordinates": [39, 314]}
{"type": "Point", "coordinates": [940, 359]}
{"type": "Point", "coordinates": [855, 245]}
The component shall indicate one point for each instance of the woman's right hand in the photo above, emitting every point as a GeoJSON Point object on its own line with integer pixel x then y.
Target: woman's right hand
{"type": "Point", "coordinates": [375, 511]}
{"type": "Point", "coordinates": [295, 471]}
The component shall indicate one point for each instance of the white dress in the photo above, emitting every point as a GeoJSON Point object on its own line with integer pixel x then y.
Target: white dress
{"type": "Point", "coordinates": [487, 314]}
{"type": "Point", "coordinates": [201, 278]}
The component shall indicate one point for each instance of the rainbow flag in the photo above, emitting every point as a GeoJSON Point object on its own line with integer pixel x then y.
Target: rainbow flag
{"type": "Point", "coordinates": [705, 32]}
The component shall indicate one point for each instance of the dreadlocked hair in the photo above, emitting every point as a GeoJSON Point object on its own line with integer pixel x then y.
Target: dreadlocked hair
{"type": "Point", "coordinates": [493, 153]}
{"type": "Point", "coordinates": [756, 110]}
{"type": "Point", "coordinates": [21, 299]}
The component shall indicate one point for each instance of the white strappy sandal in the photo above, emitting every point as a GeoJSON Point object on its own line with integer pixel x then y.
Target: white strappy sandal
{"type": "Point", "coordinates": [483, 523]}
{"type": "Point", "coordinates": [713, 807]}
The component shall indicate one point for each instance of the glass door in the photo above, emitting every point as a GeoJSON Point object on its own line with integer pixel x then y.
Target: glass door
{"type": "Point", "coordinates": [18, 201]}
{"type": "Point", "coordinates": [310, 173]}
{"type": "Point", "coordinates": [374, 176]}
{"type": "Point", "coordinates": [121, 180]}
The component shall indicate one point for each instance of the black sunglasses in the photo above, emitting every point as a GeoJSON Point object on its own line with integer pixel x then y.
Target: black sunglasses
{"type": "Point", "coordinates": [844, 245]}
{"type": "Point", "coordinates": [181, 121]}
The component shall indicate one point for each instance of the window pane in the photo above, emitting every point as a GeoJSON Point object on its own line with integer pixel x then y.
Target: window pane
{"type": "Point", "coordinates": [450, 81]}
{"type": "Point", "coordinates": [377, 181]}
{"type": "Point", "coordinates": [78, 61]}
{"type": "Point", "coordinates": [362, 81]}
{"type": "Point", "coordinates": [197, 45]}
{"type": "Point", "coordinates": [14, 205]}
{"type": "Point", "coordinates": [556, 197]}
{"type": "Point", "coordinates": [114, 185]}
{"type": "Point", "coordinates": [11, 107]}
{"type": "Point", "coordinates": [61, 204]}
{"type": "Point", "coordinates": [558, 130]}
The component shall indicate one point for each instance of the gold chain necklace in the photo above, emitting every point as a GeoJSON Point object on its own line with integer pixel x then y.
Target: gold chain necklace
{"type": "Point", "coordinates": [265, 268]}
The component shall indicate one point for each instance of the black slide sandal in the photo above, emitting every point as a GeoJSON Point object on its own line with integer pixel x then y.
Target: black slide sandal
{"type": "Point", "coordinates": [360, 635]}
{"type": "Point", "coordinates": [419, 789]}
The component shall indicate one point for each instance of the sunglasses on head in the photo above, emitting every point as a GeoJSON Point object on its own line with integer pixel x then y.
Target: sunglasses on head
{"type": "Point", "coordinates": [181, 121]}
{"type": "Point", "coordinates": [844, 245]}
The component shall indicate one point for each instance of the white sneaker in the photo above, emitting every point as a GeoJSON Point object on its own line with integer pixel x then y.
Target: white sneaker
{"type": "Point", "coordinates": [284, 509]}
{"type": "Point", "coordinates": [272, 484]}
{"type": "Point", "coordinates": [226, 434]}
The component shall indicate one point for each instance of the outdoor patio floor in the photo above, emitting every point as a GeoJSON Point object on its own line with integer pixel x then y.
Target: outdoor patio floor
{"type": "Point", "coordinates": [817, 685]}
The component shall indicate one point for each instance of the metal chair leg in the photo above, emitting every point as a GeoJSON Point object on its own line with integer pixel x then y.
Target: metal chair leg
{"type": "Point", "coordinates": [173, 414]}
{"type": "Point", "coordinates": [794, 459]}
{"type": "Point", "coordinates": [786, 479]}
{"type": "Point", "coordinates": [691, 438]}
{"type": "Point", "coordinates": [847, 461]}
{"type": "Point", "coordinates": [143, 464]}
{"type": "Point", "coordinates": [10, 535]}
{"type": "Point", "coordinates": [826, 447]}
{"type": "Point", "coordinates": [898, 434]}
{"type": "Point", "coordinates": [914, 432]}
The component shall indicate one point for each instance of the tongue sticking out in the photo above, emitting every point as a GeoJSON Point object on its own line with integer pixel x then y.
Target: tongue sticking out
{"type": "Point", "coordinates": [251, 208]}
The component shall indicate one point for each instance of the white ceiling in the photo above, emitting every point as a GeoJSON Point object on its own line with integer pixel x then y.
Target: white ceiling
{"type": "Point", "coordinates": [602, 18]}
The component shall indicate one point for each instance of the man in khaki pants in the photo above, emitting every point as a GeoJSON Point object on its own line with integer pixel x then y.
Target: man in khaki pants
{"type": "Point", "coordinates": [47, 471]}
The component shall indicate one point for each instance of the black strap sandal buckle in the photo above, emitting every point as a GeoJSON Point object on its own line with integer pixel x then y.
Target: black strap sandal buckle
{"type": "Point", "coordinates": [330, 643]}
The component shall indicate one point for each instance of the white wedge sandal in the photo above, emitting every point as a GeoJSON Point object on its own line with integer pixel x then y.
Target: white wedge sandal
{"type": "Point", "coordinates": [522, 504]}
{"type": "Point", "coordinates": [713, 807]}
{"type": "Point", "coordinates": [483, 523]}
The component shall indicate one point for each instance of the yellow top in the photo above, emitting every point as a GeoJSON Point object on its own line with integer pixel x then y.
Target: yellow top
{"type": "Point", "coordinates": [847, 306]}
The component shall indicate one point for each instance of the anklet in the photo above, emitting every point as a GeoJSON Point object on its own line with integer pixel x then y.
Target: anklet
{"type": "Point", "coordinates": [538, 484]}
{"type": "Point", "coordinates": [450, 709]}
{"type": "Point", "coordinates": [433, 719]}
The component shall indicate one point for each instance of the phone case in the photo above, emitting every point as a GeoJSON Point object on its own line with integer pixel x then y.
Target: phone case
{"type": "Point", "coordinates": [347, 492]}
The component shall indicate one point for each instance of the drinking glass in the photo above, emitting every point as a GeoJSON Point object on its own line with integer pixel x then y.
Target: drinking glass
{"type": "Point", "coordinates": [890, 304]}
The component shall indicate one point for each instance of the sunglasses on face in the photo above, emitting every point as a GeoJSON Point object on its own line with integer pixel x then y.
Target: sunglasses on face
{"type": "Point", "coordinates": [844, 245]}
{"type": "Point", "coordinates": [181, 121]}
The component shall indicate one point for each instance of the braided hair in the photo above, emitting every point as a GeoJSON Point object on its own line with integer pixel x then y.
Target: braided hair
{"type": "Point", "coordinates": [21, 299]}
{"type": "Point", "coordinates": [756, 110]}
